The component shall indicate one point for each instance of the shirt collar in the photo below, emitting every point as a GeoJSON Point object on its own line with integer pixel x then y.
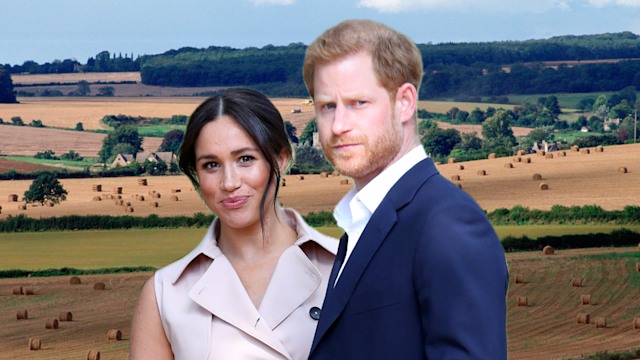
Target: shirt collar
{"type": "Point", "coordinates": [374, 192]}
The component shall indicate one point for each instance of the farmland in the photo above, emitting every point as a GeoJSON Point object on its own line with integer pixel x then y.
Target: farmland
{"type": "Point", "coordinates": [546, 328]}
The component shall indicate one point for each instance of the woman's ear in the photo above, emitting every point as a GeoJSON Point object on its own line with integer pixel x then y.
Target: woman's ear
{"type": "Point", "coordinates": [406, 102]}
{"type": "Point", "coordinates": [283, 161]}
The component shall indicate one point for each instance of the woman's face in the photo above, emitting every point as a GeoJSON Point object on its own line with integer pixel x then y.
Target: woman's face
{"type": "Point", "coordinates": [232, 172]}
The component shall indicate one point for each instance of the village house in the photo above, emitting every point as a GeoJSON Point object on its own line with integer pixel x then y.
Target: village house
{"type": "Point", "coordinates": [545, 146]}
{"type": "Point", "coordinates": [125, 159]}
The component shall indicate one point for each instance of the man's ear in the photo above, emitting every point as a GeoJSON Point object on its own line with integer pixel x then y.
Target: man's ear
{"type": "Point", "coordinates": [406, 102]}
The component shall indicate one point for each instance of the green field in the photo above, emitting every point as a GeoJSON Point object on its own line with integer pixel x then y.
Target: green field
{"type": "Point", "coordinates": [73, 165]}
{"type": "Point", "coordinates": [158, 130]}
{"type": "Point", "coordinates": [565, 100]}
{"type": "Point", "coordinates": [159, 247]}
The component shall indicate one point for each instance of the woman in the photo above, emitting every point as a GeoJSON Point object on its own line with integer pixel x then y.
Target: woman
{"type": "Point", "coordinates": [253, 288]}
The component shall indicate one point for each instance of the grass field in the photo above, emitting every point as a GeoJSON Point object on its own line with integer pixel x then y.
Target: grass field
{"type": "Point", "coordinates": [78, 165]}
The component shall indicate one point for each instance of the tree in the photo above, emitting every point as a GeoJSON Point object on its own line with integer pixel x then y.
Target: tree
{"type": "Point", "coordinates": [309, 159]}
{"type": "Point", "coordinates": [44, 188]}
{"type": "Point", "coordinates": [307, 133]}
{"type": "Point", "coordinates": [125, 134]}
{"type": "Point", "coordinates": [551, 104]}
{"type": "Point", "coordinates": [7, 95]}
{"type": "Point", "coordinates": [72, 156]}
{"type": "Point", "coordinates": [291, 131]}
{"type": "Point", "coordinates": [17, 121]}
{"type": "Point", "coordinates": [172, 141]}
{"type": "Point", "coordinates": [79, 127]}
{"type": "Point", "coordinates": [106, 91]}
{"type": "Point", "coordinates": [439, 142]}
{"type": "Point", "coordinates": [497, 132]}
{"type": "Point", "coordinates": [83, 88]}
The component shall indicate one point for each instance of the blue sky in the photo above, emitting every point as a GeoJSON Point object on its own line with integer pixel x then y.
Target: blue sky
{"type": "Point", "coordinates": [44, 31]}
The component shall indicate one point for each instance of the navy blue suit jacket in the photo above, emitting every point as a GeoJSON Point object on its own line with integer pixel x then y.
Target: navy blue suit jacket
{"type": "Point", "coordinates": [427, 280]}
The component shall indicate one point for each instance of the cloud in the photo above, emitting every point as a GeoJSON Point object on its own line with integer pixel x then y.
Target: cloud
{"type": "Point", "coordinates": [272, 2]}
{"type": "Point", "coordinates": [601, 3]}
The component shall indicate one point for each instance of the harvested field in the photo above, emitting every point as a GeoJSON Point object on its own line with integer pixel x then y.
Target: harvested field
{"type": "Point", "coordinates": [22, 167]}
{"type": "Point", "coordinates": [27, 141]}
{"type": "Point", "coordinates": [75, 77]}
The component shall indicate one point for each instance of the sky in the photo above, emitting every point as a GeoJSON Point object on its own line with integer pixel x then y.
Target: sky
{"type": "Point", "coordinates": [44, 31]}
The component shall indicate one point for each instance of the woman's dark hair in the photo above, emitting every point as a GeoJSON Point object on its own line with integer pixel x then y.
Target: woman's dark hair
{"type": "Point", "coordinates": [256, 114]}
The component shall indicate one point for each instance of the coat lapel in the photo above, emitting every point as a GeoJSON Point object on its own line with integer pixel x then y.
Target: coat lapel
{"type": "Point", "coordinates": [374, 234]}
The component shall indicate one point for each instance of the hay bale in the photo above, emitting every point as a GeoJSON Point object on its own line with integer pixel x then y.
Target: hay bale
{"type": "Point", "coordinates": [300, 177]}
{"type": "Point", "coordinates": [50, 203]}
{"type": "Point", "coordinates": [97, 198]}
{"type": "Point", "coordinates": [12, 198]}
{"type": "Point", "coordinates": [520, 152]}
{"type": "Point", "coordinates": [28, 290]}
{"type": "Point", "coordinates": [576, 282]}
{"type": "Point", "coordinates": [128, 209]}
{"type": "Point", "coordinates": [154, 204]}
{"type": "Point", "coordinates": [585, 151]}
{"type": "Point", "coordinates": [174, 198]}
{"type": "Point", "coordinates": [99, 286]}
{"type": "Point", "coordinates": [22, 207]}
{"type": "Point", "coordinates": [519, 279]}
{"type": "Point", "coordinates": [22, 314]}
{"type": "Point", "coordinates": [460, 167]}
{"type": "Point", "coordinates": [527, 160]}
{"type": "Point", "coordinates": [140, 197]}
{"type": "Point", "coordinates": [74, 280]}
{"type": "Point", "coordinates": [324, 174]}
{"type": "Point", "coordinates": [283, 183]}
{"type": "Point", "coordinates": [156, 195]}
{"type": "Point", "coordinates": [491, 156]}
{"type": "Point", "coordinates": [51, 324]}
{"type": "Point", "coordinates": [562, 153]}
{"type": "Point", "coordinates": [523, 301]}
{"type": "Point", "coordinates": [536, 177]}
{"type": "Point", "coordinates": [451, 161]}
{"type": "Point", "coordinates": [601, 322]}
{"type": "Point", "coordinates": [575, 148]}
{"type": "Point", "coordinates": [93, 355]}
{"type": "Point", "coordinates": [599, 148]}
{"type": "Point", "coordinates": [544, 186]}
{"type": "Point", "coordinates": [548, 250]}
{"type": "Point", "coordinates": [517, 159]}
{"type": "Point", "coordinates": [65, 316]}
{"type": "Point", "coordinates": [34, 344]}
{"type": "Point", "coordinates": [541, 153]}
{"type": "Point", "coordinates": [17, 291]}
{"type": "Point", "coordinates": [583, 318]}
{"type": "Point", "coordinates": [508, 166]}
{"type": "Point", "coordinates": [549, 156]}
{"type": "Point", "coordinates": [344, 182]}
{"type": "Point", "coordinates": [97, 188]}
{"type": "Point", "coordinates": [481, 172]}
{"type": "Point", "coordinates": [114, 335]}
{"type": "Point", "coordinates": [117, 190]}
{"type": "Point", "coordinates": [622, 170]}
{"type": "Point", "coordinates": [455, 177]}
{"type": "Point", "coordinates": [176, 190]}
{"type": "Point", "coordinates": [127, 203]}
{"type": "Point", "coordinates": [585, 299]}
{"type": "Point", "coordinates": [636, 323]}
{"type": "Point", "coordinates": [335, 173]}
{"type": "Point", "coordinates": [119, 202]}
{"type": "Point", "coordinates": [459, 185]}
{"type": "Point", "coordinates": [142, 182]}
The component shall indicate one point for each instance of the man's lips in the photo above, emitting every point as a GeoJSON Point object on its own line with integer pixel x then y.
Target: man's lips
{"type": "Point", "coordinates": [235, 202]}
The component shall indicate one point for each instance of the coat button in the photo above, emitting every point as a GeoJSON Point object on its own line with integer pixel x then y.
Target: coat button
{"type": "Point", "coordinates": [314, 312]}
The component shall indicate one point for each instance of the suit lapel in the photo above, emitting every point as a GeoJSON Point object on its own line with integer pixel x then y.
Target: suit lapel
{"type": "Point", "coordinates": [374, 234]}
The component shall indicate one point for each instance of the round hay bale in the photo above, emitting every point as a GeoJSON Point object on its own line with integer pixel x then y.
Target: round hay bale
{"type": "Point", "coordinates": [520, 152]}
{"type": "Point", "coordinates": [575, 148]}
{"type": "Point", "coordinates": [117, 190]}
{"type": "Point", "coordinates": [599, 148]}
{"type": "Point", "coordinates": [548, 250]}
{"type": "Point", "coordinates": [97, 198]}
{"type": "Point", "coordinates": [622, 170]}
{"type": "Point", "coordinates": [527, 160]}
{"type": "Point", "coordinates": [335, 173]}
{"type": "Point", "coordinates": [601, 322]}
{"type": "Point", "coordinates": [127, 203]}
{"type": "Point", "coordinates": [28, 290]}
{"type": "Point", "coordinates": [22, 314]}
{"type": "Point", "coordinates": [455, 177]}
{"type": "Point", "coordinates": [519, 279]}
{"type": "Point", "coordinates": [459, 185]}
{"type": "Point", "coordinates": [283, 183]}
{"type": "Point", "coordinates": [50, 203]}
{"type": "Point", "coordinates": [22, 207]}
{"type": "Point", "coordinates": [562, 153]}
{"type": "Point", "coordinates": [576, 282]}
{"type": "Point", "coordinates": [114, 335]}
{"type": "Point", "coordinates": [97, 188]}
{"type": "Point", "coordinates": [51, 324]}
{"type": "Point", "coordinates": [536, 177]}
{"type": "Point", "coordinates": [636, 323]}
{"type": "Point", "coordinates": [583, 318]}
{"type": "Point", "coordinates": [174, 198]}
{"type": "Point", "coordinates": [451, 161]}
{"type": "Point", "coordinates": [541, 153]}
{"type": "Point", "coordinates": [65, 316]}
{"type": "Point", "coordinates": [119, 202]}
{"type": "Point", "coordinates": [585, 299]}
{"type": "Point", "coordinates": [128, 209]}
{"type": "Point", "coordinates": [156, 195]}
{"type": "Point", "coordinates": [300, 177]}
{"type": "Point", "coordinates": [324, 174]}
{"type": "Point", "coordinates": [637, 267]}
{"type": "Point", "coordinates": [153, 204]}
{"type": "Point", "coordinates": [481, 172]}
{"type": "Point", "coordinates": [12, 198]}
{"type": "Point", "coordinates": [140, 198]}
{"type": "Point", "coordinates": [17, 291]}
{"type": "Point", "coordinates": [99, 286]}
{"type": "Point", "coordinates": [34, 344]}
{"type": "Point", "coordinates": [176, 190]}
{"type": "Point", "coordinates": [585, 151]}
{"type": "Point", "coordinates": [508, 166]}
{"type": "Point", "coordinates": [344, 182]}
{"type": "Point", "coordinates": [517, 159]}
{"type": "Point", "coordinates": [460, 167]}
{"type": "Point", "coordinates": [549, 156]}
{"type": "Point", "coordinates": [93, 355]}
{"type": "Point", "coordinates": [523, 301]}
{"type": "Point", "coordinates": [142, 182]}
{"type": "Point", "coordinates": [74, 280]}
{"type": "Point", "coordinates": [544, 186]}
{"type": "Point", "coordinates": [491, 156]}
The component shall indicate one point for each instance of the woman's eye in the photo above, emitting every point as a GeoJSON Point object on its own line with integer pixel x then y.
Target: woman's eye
{"type": "Point", "coordinates": [246, 158]}
{"type": "Point", "coordinates": [210, 165]}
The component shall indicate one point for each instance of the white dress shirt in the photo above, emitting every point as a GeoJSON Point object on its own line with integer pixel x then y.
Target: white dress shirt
{"type": "Point", "coordinates": [355, 209]}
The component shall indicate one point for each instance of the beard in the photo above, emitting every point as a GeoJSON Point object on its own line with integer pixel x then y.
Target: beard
{"type": "Point", "coordinates": [372, 155]}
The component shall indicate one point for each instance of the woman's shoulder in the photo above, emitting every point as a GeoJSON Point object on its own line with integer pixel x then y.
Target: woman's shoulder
{"type": "Point", "coordinates": [308, 234]}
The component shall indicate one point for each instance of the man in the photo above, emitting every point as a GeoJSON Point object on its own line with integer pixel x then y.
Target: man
{"type": "Point", "coordinates": [420, 273]}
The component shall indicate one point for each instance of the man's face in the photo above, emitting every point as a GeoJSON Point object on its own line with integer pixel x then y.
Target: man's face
{"type": "Point", "coordinates": [357, 121]}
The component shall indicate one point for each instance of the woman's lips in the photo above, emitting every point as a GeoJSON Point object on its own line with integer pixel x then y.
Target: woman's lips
{"type": "Point", "coordinates": [235, 202]}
